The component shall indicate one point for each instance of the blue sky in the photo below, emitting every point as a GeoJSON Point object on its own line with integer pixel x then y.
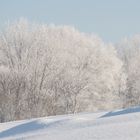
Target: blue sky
{"type": "Point", "coordinates": [110, 19]}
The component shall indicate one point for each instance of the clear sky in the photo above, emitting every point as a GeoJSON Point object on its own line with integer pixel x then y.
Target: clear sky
{"type": "Point", "coordinates": [110, 19]}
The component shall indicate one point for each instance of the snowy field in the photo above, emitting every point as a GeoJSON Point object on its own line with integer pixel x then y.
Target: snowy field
{"type": "Point", "coordinates": [114, 125]}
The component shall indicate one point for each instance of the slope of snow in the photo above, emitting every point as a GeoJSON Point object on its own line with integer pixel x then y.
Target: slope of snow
{"type": "Point", "coordinates": [114, 125]}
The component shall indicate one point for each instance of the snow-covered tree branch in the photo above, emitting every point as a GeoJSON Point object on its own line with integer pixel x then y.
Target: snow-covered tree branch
{"type": "Point", "coordinates": [49, 70]}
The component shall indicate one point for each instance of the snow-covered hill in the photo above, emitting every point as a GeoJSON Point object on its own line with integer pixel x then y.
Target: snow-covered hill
{"type": "Point", "coordinates": [114, 125]}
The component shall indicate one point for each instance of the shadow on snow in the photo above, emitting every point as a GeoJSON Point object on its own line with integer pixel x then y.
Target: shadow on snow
{"type": "Point", "coordinates": [28, 127]}
{"type": "Point", "coordinates": [122, 112]}
{"type": "Point", "coordinates": [22, 128]}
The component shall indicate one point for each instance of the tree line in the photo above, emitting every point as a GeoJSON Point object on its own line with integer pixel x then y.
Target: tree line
{"type": "Point", "coordinates": [49, 70]}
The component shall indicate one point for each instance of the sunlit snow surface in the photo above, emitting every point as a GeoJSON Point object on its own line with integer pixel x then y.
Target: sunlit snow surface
{"type": "Point", "coordinates": [114, 125]}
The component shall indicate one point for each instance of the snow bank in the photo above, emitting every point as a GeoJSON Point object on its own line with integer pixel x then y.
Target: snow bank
{"type": "Point", "coordinates": [114, 125]}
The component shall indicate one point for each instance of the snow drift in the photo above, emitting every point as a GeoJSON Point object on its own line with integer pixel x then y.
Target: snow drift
{"type": "Point", "coordinates": [113, 125]}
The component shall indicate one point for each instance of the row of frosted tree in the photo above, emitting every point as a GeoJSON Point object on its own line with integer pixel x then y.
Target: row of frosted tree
{"type": "Point", "coordinates": [50, 70]}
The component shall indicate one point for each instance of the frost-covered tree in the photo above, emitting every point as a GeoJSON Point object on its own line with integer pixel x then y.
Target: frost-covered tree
{"type": "Point", "coordinates": [129, 52]}
{"type": "Point", "coordinates": [49, 70]}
